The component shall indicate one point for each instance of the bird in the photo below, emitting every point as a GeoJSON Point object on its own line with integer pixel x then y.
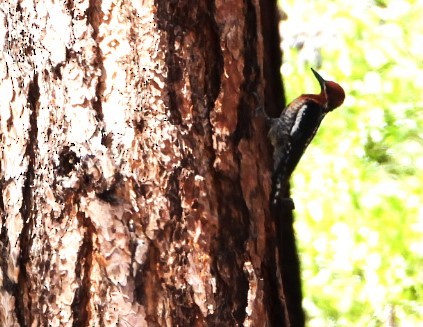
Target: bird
{"type": "Point", "coordinates": [291, 133]}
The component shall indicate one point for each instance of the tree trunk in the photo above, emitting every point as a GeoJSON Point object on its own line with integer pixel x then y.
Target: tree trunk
{"type": "Point", "coordinates": [135, 174]}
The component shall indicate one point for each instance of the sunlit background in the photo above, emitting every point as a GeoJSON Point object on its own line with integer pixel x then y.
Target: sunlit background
{"type": "Point", "coordinates": [358, 189]}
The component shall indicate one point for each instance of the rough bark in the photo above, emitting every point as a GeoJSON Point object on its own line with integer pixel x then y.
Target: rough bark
{"type": "Point", "coordinates": [135, 174]}
{"type": "Point", "coordinates": [274, 99]}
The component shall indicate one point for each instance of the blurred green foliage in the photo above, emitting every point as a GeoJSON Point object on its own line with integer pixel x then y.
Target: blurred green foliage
{"type": "Point", "coordinates": [358, 189]}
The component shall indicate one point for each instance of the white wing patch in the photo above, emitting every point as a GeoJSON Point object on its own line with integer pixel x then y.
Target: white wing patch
{"type": "Point", "coordinates": [298, 118]}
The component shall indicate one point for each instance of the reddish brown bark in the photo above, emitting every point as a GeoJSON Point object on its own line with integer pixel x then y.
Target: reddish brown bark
{"type": "Point", "coordinates": [135, 173]}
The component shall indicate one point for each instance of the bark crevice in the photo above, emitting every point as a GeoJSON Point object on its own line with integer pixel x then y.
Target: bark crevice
{"type": "Point", "coordinates": [80, 303]}
{"type": "Point", "coordinates": [95, 17]}
{"type": "Point", "coordinates": [23, 300]}
{"type": "Point", "coordinates": [229, 254]}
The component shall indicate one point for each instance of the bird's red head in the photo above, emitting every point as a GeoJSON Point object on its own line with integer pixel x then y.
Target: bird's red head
{"type": "Point", "coordinates": [332, 92]}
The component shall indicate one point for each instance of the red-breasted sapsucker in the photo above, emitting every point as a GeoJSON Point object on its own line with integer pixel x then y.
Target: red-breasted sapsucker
{"type": "Point", "coordinates": [292, 132]}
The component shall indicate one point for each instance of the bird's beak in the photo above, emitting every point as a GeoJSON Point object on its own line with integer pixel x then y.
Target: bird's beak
{"type": "Point", "coordinates": [320, 79]}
